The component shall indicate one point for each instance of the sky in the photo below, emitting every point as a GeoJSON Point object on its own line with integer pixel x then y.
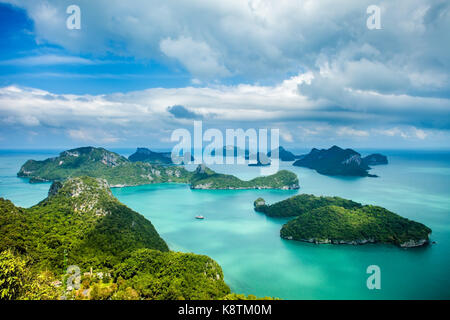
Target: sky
{"type": "Point", "coordinates": [137, 70]}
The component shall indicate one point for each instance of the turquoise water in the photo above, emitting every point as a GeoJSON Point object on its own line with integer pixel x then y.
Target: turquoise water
{"type": "Point", "coordinates": [257, 261]}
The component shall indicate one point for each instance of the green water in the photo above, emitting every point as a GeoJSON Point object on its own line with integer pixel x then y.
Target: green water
{"type": "Point", "coordinates": [257, 261]}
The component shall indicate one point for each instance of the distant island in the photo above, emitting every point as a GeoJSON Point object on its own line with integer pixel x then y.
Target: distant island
{"type": "Point", "coordinates": [119, 171]}
{"type": "Point", "coordinates": [262, 160]}
{"type": "Point", "coordinates": [340, 221]}
{"type": "Point", "coordinates": [375, 159]}
{"type": "Point", "coordinates": [283, 154]}
{"type": "Point", "coordinates": [205, 178]}
{"type": "Point", "coordinates": [119, 252]}
{"type": "Point", "coordinates": [340, 162]}
{"type": "Point", "coordinates": [147, 155]}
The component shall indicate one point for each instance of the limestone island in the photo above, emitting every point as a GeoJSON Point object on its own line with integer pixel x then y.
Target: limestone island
{"type": "Point", "coordinates": [119, 171]}
{"type": "Point", "coordinates": [340, 162]}
{"type": "Point", "coordinates": [119, 252]}
{"type": "Point", "coordinates": [205, 178]}
{"type": "Point", "coordinates": [336, 220]}
{"type": "Point", "coordinates": [147, 155]}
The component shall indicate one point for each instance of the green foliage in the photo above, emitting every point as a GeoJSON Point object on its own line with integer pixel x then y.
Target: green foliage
{"type": "Point", "coordinates": [102, 291]}
{"type": "Point", "coordinates": [119, 171]}
{"type": "Point", "coordinates": [12, 275]}
{"type": "Point", "coordinates": [101, 163]}
{"type": "Point", "coordinates": [209, 179]}
{"type": "Point", "coordinates": [171, 275]}
{"type": "Point", "coordinates": [81, 218]}
{"type": "Point", "coordinates": [41, 286]}
{"type": "Point", "coordinates": [358, 225]}
{"type": "Point", "coordinates": [235, 296]}
{"type": "Point", "coordinates": [299, 204]}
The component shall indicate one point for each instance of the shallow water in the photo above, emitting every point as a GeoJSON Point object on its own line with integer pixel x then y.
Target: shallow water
{"type": "Point", "coordinates": [255, 260]}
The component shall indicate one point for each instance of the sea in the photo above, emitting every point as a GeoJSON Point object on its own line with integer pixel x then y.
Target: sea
{"type": "Point", "coordinates": [247, 244]}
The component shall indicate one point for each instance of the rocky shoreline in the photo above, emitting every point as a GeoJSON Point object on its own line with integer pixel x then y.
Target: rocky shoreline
{"type": "Point", "coordinates": [208, 187]}
{"type": "Point", "coordinates": [408, 244]}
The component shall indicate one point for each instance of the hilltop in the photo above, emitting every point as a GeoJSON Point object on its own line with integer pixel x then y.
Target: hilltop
{"type": "Point", "coordinates": [147, 155]}
{"type": "Point", "coordinates": [299, 204]}
{"type": "Point", "coordinates": [82, 216]}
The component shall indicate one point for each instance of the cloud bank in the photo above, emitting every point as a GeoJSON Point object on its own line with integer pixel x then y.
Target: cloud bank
{"type": "Point", "coordinates": [310, 67]}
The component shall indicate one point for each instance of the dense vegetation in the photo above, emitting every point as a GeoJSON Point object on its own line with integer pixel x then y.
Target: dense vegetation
{"type": "Point", "coordinates": [299, 204]}
{"type": "Point", "coordinates": [337, 220]}
{"type": "Point", "coordinates": [338, 162]}
{"type": "Point", "coordinates": [205, 178]}
{"type": "Point", "coordinates": [333, 224]}
{"type": "Point", "coordinates": [119, 171]}
{"type": "Point", "coordinates": [100, 163]}
{"type": "Point", "coordinates": [82, 218]}
{"type": "Point", "coordinates": [81, 223]}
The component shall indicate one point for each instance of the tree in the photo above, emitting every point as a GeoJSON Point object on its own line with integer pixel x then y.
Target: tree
{"type": "Point", "coordinates": [12, 275]}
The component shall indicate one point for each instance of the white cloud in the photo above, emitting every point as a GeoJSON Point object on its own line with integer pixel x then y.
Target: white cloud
{"type": "Point", "coordinates": [90, 135]}
{"type": "Point", "coordinates": [420, 134]}
{"type": "Point", "coordinates": [347, 131]}
{"type": "Point", "coordinates": [49, 59]}
{"type": "Point", "coordinates": [405, 133]}
{"type": "Point", "coordinates": [286, 135]}
{"type": "Point", "coordinates": [264, 39]}
{"type": "Point", "coordinates": [197, 57]}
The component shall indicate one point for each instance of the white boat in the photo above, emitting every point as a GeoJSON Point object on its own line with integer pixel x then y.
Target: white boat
{"type": "Point", "coordinates": [199, 217]}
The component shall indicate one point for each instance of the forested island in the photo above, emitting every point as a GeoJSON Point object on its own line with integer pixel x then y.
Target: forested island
{"type": "Point", "coordinates": [147, 155]}
{"type": "Point", "coordinates": [205, 178]}
{"type": "Point", "coordinates": [340, 221]}
{"type": "Point", "coordinates": [119, 171]}
{"type": "Point", "coordinates": [119, 252]}
{"type": "Point", "coordinates": [340, 162]}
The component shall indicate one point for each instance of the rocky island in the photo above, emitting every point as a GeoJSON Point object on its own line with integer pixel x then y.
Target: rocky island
{"type": "Point", "coordinates": [340, 162]}
{"type": "Point", "coordinates": [149, 156]}
{"type": "Point", "coordinates": [119, 171]}
{"type": "Point", "coordinates": [375, 159]}
{"type": "Point", "coordinates": [283, 154]}
{"type": "Point", "coordinates": [101, 163]}
{"type": "Point", "coordinates": [205, 178]}
{"type": "Point", "coordinates": [340, 221]}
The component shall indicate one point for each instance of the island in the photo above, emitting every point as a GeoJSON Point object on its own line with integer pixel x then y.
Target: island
{"type": "Point", "coordinates": [101, 163]}
{"type": "Point", "coordinates": [336, 161]}
{"type": "Point", "coordinates": [147, 155]}
{"type": "Point", "coordinates": [375, 159]}
{"type": "Point", "coordinates": [340, 221]}
{"type": "Point", "coordinates": [283, 154]}
{"type": "Point", "coordinates": [205, 178]}
{"type": "Point", "coordinates": [118, 251]}
{"type": "Point", "coordinates": [119, 171]}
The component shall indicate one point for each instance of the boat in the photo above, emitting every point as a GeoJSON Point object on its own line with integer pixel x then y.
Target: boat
{"type": "Point", "coordinates": [199, 217]}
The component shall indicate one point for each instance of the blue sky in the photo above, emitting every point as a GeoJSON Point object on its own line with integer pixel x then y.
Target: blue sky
{"type": "Point", "coordinates": [137, 70]}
